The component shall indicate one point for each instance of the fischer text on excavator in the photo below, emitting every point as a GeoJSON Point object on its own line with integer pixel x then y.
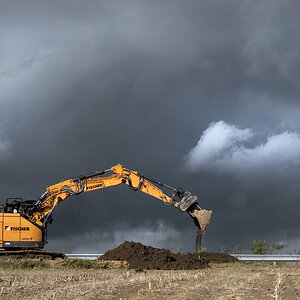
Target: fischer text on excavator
{"type": "Point", "coordinates": [23, 223]}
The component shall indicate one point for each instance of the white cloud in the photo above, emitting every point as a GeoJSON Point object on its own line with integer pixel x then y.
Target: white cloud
{"type": "Point", "coordinates": [223, 148]}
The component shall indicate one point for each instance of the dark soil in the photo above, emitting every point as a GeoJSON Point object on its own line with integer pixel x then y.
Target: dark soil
{"type": "Point", "coordinates": [141, 257]}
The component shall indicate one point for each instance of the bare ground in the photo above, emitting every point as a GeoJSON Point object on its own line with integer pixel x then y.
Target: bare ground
{"type": "Point", "coordinates": [231, 281]}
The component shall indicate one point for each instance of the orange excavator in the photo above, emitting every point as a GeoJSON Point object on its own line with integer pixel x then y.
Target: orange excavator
{"type": "Point", "coordinates": [23, 223]}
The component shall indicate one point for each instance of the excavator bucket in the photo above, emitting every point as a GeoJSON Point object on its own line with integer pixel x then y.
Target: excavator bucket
{"type": "Point", "coordinates": [200, 216]}
{"type": "Point", "coordinates": [201, 219]}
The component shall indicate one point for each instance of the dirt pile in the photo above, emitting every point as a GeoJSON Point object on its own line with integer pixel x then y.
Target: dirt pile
{"type": "Point", "coordinates": [140, 256]}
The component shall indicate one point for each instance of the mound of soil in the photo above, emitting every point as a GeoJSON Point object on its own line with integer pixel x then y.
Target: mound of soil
{"type": "Point", "coordinates": [140, 257]}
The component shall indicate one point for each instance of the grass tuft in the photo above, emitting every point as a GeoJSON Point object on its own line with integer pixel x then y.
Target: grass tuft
{"type": "Point", "coordinates": [77, 263]}
{"type": "Point", "coordinates": [23, 264]}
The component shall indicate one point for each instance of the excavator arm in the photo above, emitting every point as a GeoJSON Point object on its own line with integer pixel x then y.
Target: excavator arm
{"type": "Point", "coordinates": [55, 194]}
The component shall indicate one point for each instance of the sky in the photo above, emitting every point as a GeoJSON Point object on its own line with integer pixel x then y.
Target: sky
{"type": "Point", "coordinates": [202, 95]}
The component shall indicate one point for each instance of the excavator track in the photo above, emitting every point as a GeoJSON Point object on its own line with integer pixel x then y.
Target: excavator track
{"type": "Point", "coordinates": [35, 254]}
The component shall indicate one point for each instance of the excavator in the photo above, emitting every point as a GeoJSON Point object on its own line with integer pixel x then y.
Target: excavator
{"type": "Point", "coordinates": [23, 223]}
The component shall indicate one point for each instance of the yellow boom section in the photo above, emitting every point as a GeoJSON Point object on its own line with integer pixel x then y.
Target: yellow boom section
{"type": "Point", "coordinates": [57, 193]}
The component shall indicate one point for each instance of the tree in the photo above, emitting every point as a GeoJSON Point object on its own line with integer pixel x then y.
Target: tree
{"type": "Point", "coordinates": [259, 247]}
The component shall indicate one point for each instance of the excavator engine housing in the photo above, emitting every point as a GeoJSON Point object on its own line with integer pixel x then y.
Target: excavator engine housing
{"type": "Point", "coordinates": [16, 232]}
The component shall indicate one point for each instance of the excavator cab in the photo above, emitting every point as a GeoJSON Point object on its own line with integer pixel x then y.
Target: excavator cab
{"type": "Point", "coordinates": [16, 205]}
{"type": "Point", "coordinates": [12, 205]}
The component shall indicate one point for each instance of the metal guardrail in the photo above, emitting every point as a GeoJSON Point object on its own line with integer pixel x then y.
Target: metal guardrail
{"type": "Point", "coordinates": [85, 256]}
{"type": "Point", "coordinates": [242, 257]}
{"type": "Point", "coordinates": [267, 257]}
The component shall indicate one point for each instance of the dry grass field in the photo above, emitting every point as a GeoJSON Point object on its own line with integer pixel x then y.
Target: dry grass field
{"type": "Point", "coordinates": [223, 281]}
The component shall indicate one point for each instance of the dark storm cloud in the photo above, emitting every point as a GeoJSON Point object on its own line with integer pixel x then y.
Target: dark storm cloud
{"type": "Point", "coordinates": [85, 85]}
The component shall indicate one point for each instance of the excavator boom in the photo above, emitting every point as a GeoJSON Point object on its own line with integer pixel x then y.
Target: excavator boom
{"type": "Point", "coordinates": [39, 213]}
